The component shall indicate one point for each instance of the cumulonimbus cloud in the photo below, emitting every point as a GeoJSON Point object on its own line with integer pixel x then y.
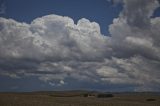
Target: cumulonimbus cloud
{"type": "Point", "coordinates": [54, 48]}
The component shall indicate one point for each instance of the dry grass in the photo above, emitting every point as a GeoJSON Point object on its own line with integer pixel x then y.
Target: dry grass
{"type": "Point", "coordinates": [49, 99]}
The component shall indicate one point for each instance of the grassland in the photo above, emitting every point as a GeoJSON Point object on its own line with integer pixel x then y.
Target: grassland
{"type": "Point", "coordinates": [76, 98]}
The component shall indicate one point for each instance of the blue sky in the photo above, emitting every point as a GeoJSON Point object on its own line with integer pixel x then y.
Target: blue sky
{"type": "Point", "coordinates": [101, 11]}
{"type": "Point", "coordinates": [52, 53]}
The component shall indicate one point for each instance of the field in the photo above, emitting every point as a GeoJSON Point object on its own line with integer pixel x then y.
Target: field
{"type": "Point", "coordinates": [78, 98]}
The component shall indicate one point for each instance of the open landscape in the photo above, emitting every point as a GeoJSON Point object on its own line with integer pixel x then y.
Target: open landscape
{"type": "Point", "coordinates": [79, 52]}
{"type": "Point", "coordinates": [79, 98]}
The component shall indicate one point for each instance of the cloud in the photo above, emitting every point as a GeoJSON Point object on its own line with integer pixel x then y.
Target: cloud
{"type": "Point", "coordinates": [138, 13]}
{"type": "Point", "coordinates": [136, 38]}
{"type": "Point", "coordinates": [56, 50]}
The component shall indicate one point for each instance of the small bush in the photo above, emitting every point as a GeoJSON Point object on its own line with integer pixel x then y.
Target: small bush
{"type": "Point", "coordinates": [150, 99]}
{"type": "Point", "coordinates": [85, 95]}
{"type": "Point", "coordinates": [105, 95]}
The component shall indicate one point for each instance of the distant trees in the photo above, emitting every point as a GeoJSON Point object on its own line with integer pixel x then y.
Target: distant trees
{"type": "Point", "coordinates": [89, 95]}
{"type": "Point", "coordinates": [98, 95]}
{"type": "Point", "coordinates": [85, 95]}
{"type": "Point", "coordinates": [150, 99]}
{"type": "Point", "coordinates": [104, 95]}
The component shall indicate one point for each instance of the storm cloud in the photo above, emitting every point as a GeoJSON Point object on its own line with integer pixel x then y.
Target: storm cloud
{"type": "Point", "coordinates": [54, 48]}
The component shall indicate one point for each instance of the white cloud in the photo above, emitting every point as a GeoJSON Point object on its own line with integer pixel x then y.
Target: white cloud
{"type": "Point", "coordinates": [54, 48]}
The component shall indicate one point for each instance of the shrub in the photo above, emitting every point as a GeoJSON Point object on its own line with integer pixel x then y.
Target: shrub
{"type": "Point", "coordinates": [150, 99]}
{"type": "Point", "coordinates": [105, 95]}
{"type": "Point", "coordinates": [85, 95]}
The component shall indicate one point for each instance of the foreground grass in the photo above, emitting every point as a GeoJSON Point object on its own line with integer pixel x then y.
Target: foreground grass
{"type": "Point", "coordinates": [51, 99]}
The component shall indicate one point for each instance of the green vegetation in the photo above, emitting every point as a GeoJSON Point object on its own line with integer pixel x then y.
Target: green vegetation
{"type": "Point", "coordinates": [79, 98]}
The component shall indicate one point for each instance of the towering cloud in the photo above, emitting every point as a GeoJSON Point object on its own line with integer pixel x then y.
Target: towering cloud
{"type": "Point", "coordinates": [54, 48]}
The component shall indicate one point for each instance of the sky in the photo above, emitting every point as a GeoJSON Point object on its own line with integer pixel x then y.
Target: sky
{"type": "Point", "coordinates": [105, 45]}
{"type": "Point", "coordinates": [94, 10]}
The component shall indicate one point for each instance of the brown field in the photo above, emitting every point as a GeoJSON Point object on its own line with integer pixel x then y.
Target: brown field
{"type": "Point", "coordinates": [76, 98]}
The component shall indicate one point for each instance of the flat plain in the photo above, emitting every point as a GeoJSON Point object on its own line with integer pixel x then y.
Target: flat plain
{"type": "Point", "coordinates": [78, 98]}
